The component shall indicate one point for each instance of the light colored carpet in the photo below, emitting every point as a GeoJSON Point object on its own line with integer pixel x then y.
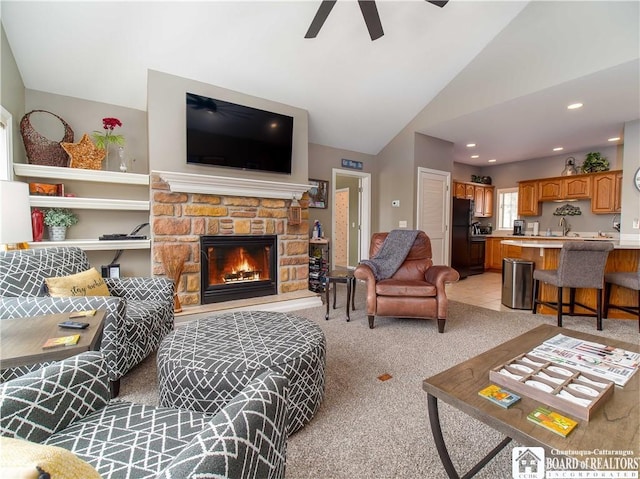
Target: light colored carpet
{"type": "Point", "coordinates": [367, 428]}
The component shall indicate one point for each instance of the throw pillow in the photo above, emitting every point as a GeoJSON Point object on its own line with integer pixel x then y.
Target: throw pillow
{"type": "Point", "coordinates": [87, 283]}
{"type": "Point", "coordinates": [26, 460]}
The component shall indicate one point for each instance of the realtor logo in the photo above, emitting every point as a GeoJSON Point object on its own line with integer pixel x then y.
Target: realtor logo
{"type": "Point", "coordinates": [527, 462]}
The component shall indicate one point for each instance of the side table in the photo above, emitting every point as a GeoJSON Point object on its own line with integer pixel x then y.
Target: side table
{"type": "Point", "coordinates": [21, 339]}
{"type": "Point", "coordinates": [343, 275]}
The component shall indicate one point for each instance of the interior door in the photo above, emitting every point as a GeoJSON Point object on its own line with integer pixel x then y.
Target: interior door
{"type": "Point", "coordinates": [433, 211]}
{"type": "Point", "coordinates": [342, 243]}
{"type": "Point", "coordinates": [359, 215]}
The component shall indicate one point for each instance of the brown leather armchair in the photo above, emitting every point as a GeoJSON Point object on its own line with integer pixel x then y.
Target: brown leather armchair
{"type": "Point", "coordinates": [417, 288]}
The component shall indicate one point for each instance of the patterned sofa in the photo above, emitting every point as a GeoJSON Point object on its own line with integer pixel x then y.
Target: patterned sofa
{"type": "Point", "coordinates": [139, 312]}
{"type": "Point", "coordinates": [67, 405]}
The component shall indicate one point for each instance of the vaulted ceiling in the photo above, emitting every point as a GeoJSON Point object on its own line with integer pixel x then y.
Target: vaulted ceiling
{"type": "Point", "coordinates": [498, 74]}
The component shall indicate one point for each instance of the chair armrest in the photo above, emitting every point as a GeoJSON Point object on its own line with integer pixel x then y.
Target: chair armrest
{"type": "Point", "coordinates": [141, 289]}
{"type": "Point", "coordinates": [438, 276]}
{"type": "Point", "coordinates": [365, 273]}
{"type": "Point", "coordinates": [40, 403]}
{"type": "Point", "coordinates": [246, 438]}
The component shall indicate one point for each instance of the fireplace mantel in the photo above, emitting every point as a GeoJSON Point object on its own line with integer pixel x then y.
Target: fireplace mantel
{"type": "Point", "coordinates": [225, 185]}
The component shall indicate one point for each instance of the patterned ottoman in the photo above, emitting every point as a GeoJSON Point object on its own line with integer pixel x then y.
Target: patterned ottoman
{"type": "Point", "coordinates": [205, 363]}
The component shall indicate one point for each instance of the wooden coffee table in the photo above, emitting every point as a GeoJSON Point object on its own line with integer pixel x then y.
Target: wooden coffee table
{"type": "Point", "coordinates": [613, 427]}
{"type": "Point", "coordinates": [21, 339]}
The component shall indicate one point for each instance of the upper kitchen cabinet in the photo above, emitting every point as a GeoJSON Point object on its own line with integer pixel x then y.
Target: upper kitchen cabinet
{"type": "Point", "coordinates": [483, 201]}
{"type": "Point", "coordinates": [565, 188]}
{"type": "Point", "coordinates": [528, 198]}
{"type": "Point", "coordinates": [482, 196]}
{"type": "Point", "coordinates": [607, 192]}
{"type": "Point", "coordinates": [603, 189]}
{"type": "Point", "coordinates": [463, 190]}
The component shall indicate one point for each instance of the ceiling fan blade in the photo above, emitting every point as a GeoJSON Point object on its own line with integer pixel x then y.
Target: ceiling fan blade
{"type": "Point", "coordinates": [371, 18]}
{"type": "Point", "coordinates": [321, 15]}
{"type": "Point", "coordinates": [438, 3]}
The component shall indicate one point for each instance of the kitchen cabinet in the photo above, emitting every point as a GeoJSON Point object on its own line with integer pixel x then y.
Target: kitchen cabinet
{"type": "Point", "coordinates": [488, 201]}
{"type": "Point", "coordinates": [477, 255]}
{"type": "Point", "coordinates": [528, 198]}
{"type": "Point", "coordinates": [483, 201]}
{"type": "Point", "coordinates": [577, 187]}
{"type": "Point", "coordinates": [463, 190]}
{"type": "Point", "coordinates": [493, 254]}
{"type": "Point", "coordinates": [571, 187]}
{"type": "Point", "coordinates": [607, 192]}
{"type": "Point", "coordinates": [603, 189]}
{"type": "Point", "coordinates": [550, 190]}
{"type": "Point", "coordinates": [482, 196]}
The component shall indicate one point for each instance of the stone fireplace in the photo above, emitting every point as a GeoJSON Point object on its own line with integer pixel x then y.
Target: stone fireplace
{"type": "Point", "coordinates": [186, 208]}
{"type": "Point", "coordinates": [237, 267]}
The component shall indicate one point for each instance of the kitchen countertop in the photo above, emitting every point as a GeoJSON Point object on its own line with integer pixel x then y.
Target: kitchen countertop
{"type": "Point", "coordinates": [584, 235]}
{"type": "Point", "coordinates": [557, 242]}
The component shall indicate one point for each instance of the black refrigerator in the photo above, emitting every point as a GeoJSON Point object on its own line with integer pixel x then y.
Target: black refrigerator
{"type": "Point", "coordinates": [467, 249]}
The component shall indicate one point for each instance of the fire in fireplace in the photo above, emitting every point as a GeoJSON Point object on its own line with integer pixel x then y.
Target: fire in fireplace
{"type": "Point", "coordinates": [237, 267]}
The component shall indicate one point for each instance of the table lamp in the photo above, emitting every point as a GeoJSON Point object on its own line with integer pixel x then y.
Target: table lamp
{"type": "Point", "coordinates": [15, 216]}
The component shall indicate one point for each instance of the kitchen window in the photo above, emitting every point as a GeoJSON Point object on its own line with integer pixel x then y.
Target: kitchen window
{"type": "Point", "coordinates": [507, 207]}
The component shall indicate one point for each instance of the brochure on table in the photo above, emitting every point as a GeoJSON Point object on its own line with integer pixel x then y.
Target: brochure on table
{"type": "Point", "coordinates": [614, 364]}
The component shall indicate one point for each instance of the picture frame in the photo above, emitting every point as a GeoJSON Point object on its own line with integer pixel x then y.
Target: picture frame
{"type": "Point", "coordinates": [318, 193]}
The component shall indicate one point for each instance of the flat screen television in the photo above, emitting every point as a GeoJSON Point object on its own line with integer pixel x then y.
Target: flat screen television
{"type": "Point", "coordinates": [225, 134]}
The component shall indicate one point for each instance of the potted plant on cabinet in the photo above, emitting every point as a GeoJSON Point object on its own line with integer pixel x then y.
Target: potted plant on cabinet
{"type": "Point", "coordinates": [594, 162]}
{"type": "Point", "coordinates": [58, 220]}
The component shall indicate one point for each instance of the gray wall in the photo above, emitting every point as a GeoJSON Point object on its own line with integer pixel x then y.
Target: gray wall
{"type": "Point", "coordinates": [84, 116]}
{"type": "Point", "coordinates": [12, 94]}
{"type": "Point", "coordinates": [167, 128]}
{"type": "Point", "coordinates": [322, 161]}
{"type": "Point", "coordinates": [630, 195]}
{"type": "Point", "coordinates": [396, 181]}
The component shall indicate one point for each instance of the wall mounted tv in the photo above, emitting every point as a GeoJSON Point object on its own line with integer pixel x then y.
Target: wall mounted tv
{"type": "Point", "coordinates": [225, 134]}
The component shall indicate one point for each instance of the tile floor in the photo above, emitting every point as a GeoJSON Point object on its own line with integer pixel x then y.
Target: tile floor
{"type": "Point", "coordinates": [483, 290]}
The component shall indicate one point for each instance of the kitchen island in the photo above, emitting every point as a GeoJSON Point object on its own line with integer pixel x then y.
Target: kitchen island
{"type": "Point", "coordinates": [545, 255]}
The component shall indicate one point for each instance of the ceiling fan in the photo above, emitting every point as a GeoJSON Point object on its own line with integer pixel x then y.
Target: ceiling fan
{"type": "Point", "coordinates": [369, 12]}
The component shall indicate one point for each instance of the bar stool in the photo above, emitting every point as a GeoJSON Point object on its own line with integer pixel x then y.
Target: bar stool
{"type": "Point", "coordinates": [581, 265]}
{"type": "Point", "coordinates": [629, 280]}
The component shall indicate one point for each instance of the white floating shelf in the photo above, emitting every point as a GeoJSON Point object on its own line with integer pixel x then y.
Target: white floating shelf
{"type": "Point", "coordinates": [94, 244]}
{"type": "Point", "coordinates": [80, 174]}
{"type": "Point", "coordinates": [88, 203]}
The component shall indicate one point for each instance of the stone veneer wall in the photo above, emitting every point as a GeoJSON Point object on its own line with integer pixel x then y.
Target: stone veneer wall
{"type": "Point", "coordinates": [179, 219]}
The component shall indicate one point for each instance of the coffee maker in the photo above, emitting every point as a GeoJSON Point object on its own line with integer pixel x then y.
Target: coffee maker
{"type": "Point", "coordinates": [518, 227]}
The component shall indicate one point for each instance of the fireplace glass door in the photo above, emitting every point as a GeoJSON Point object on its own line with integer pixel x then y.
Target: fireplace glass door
{"type": "Point", "coordinates": [237, 267]}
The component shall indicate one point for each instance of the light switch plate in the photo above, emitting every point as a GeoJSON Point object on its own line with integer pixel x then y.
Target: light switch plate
{"type": "Point", "coordinates": [402, 224]}
{"type": "Point", "coordinates": [395, 203]}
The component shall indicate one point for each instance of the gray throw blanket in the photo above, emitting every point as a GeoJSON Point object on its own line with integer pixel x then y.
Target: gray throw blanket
{"type": "Point", "coordinates": [394, 250]}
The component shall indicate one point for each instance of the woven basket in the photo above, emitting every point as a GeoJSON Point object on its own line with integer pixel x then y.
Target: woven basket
{"type": "Point", "coordinates": [41, 150]}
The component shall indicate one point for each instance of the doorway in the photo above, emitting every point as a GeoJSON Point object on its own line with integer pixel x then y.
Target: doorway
{"type": "Point", "coordinates": [351, 222]}
{"type": "Point", "coordinates": [433, 211]}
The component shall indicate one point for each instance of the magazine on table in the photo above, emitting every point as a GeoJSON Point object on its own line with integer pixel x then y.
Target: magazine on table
{"type": "Point", "coordinates": [615, 364]}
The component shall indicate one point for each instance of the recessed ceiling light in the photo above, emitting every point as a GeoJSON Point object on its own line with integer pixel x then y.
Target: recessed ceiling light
{"type": "Point", "coordinates": [470, 145]}
{"type": "Point", "coordinates": [614, 139]}
{"type": "Point", "coordinates": [475, 156]}
{"type": "Point", "coordinates": [558, 148]}
{"type": "Point", "coordinates": [574, 106]}
{"type": "Point", "coordinates": [492, 160]}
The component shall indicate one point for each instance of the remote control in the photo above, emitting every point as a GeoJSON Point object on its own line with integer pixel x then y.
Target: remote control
{"type": "Point", "coordinates": [73, 325]}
